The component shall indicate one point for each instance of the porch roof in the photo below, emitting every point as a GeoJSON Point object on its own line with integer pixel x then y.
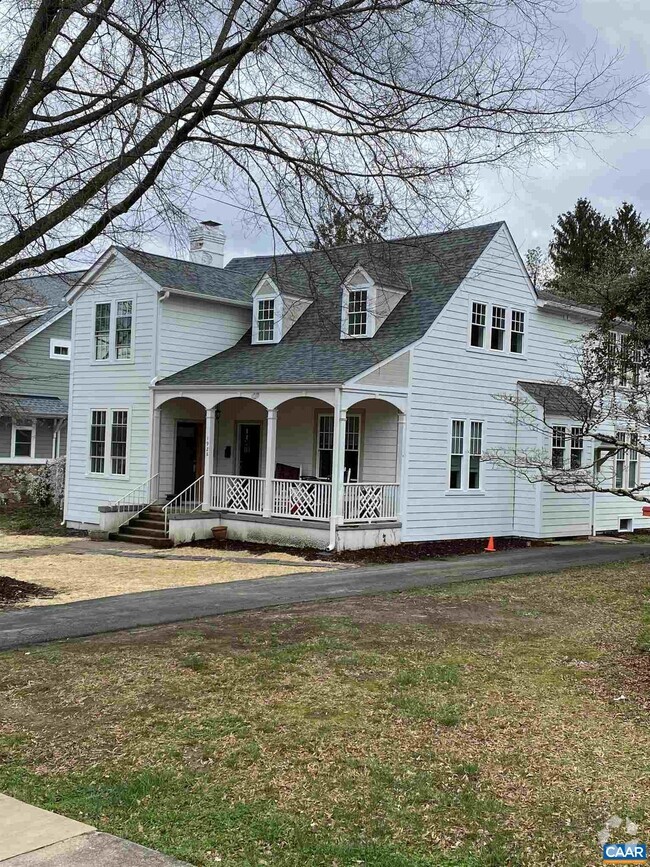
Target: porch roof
{"type": "Point", "coordinates": [313, 351]}
{"type": "Point", "coordinates": [36, 405]}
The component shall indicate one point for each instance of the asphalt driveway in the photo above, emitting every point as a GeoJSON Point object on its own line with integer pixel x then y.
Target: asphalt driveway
{"type": "Point", "coordinates": [113, 613]}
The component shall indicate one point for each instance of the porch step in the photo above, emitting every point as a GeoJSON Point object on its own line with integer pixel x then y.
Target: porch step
{"type": "Point", "coordinates": [142, 540]}
{"type": "Point", "coordinates": [147, 528]}
{"type": "Point", "coordinates": [143, 532]}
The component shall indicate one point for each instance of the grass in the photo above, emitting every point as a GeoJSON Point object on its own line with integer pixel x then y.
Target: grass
{"type": "Point", "coordinates": [475, 725]}
{"type": "Point", "coordinates": [42, 520]}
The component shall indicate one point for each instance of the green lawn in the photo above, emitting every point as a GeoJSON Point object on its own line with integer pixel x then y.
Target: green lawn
{"type": "Point", "coordinates": [477, 725]}
{"type": "Point", "coordinates": [41, 520]}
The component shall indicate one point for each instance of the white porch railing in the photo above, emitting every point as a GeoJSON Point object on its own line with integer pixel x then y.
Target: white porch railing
{"type": "Point", "coordinates": [367, 502]}
{"type": "Point", "coordinates": [238, 493]}
{"type": "Point", "coordinates": [188, 501]}
{"type": "Point", "coordinates": [138, 499]}
{"type": "Point", "coordinates": [302, 499]}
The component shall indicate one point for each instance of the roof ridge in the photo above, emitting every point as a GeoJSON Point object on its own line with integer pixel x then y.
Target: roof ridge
{"type": "Point", "coordinates": [169, 258]}
{"type": "Point", "coordinates": [368, 243]}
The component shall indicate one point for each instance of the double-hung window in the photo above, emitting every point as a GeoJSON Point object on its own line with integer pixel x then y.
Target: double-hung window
{"type": "Point", "coordinates": [466, 447]}
{"type": "Point", "coordinates": [626, 466]}
{"type": "Point", "coordinates": [507, 328]}
{"type": "Point", "coordinates": [109, 436]}
{"type": "Point", "coordinates": [357, 312]}
{"type": "Point", "coordinates": [113, 330]}
{"type": "Point", "coordinates": [325, 447]}
{"type": "Point", "coordinates": [498, 330]}
{"type": "Point", "coordinates": [23, 441]}
{"type": "Point", "coordinates": [558, 447]}
{"type": "Point", "coordinates": [577, 447]}
{"type": "Point", "coordinates": [266, 320]}
{"type": "Point", "coordinates": [477, 333]}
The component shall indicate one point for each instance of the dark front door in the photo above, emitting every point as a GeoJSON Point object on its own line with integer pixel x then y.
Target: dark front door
{"type": "Point", "coordinates": [187, 446]}
{"type": "Point", "coordinates": [249, 449]}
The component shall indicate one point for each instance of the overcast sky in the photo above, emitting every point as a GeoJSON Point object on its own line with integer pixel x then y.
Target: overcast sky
{"type": "Point", "coordinates": [615, 171]}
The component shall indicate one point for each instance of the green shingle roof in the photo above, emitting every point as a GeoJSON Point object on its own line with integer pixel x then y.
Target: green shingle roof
{"type": "Point", "coordinates": [192, 277]}
{"type": "Point", "coordinates": [433, 266]}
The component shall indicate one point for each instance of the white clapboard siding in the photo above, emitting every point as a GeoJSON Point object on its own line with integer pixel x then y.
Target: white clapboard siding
{"type": "Point", "coordinates": [192, 330]}
{"type": "Point", "coordinates": [117, 386]}
{"type": "Point", "coordinates": [450, 380]}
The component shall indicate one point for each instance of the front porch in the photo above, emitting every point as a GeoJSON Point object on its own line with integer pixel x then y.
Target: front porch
{"type": "Point", "coordinates": [318, 470]}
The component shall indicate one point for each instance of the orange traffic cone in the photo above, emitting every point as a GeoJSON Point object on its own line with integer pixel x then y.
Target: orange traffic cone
{"type": "Point", "coordinates": [490, 545]}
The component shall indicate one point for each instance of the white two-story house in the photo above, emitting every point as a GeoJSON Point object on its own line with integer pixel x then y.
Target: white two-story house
{"type": "Point", "coordinates": [338, 398]}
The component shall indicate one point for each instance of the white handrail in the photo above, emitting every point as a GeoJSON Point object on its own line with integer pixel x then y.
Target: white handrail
{"type": "Point", "coordinates": [188, 501]}
{"type": "Point", "coordinates": [302, 498]}
{"type": "Point", "coordinates": [237, 493]}
{"type": "Point", "coordinates": [138, 499]}
{"type": "Point", "coordinates": [363, 501]}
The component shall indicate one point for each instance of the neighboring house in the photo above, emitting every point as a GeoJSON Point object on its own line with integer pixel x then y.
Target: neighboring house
{"type": "Point", "coordinates": [35, 352]}
{"type": "Point", "coordinates": [337, 398]}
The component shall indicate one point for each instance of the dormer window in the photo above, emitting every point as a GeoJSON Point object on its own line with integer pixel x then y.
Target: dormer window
{"type": "Point", "coordinates": [357, 312]}
{"type": "Point", "coordinates": [265, 320]}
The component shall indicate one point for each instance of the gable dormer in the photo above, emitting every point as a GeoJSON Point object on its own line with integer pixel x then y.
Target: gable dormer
{"type": "Point", "coordinates": [274, 312]}
{"type": "Point", "coordinates": [366, 301]}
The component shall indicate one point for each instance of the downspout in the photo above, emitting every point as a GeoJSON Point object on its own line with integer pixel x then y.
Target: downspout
{"type": "Point", "coordinates": [514, 469]}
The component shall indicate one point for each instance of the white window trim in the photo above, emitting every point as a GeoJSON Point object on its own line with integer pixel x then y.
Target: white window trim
{"type": "Point", "coordinates": [262, 293]}
{"type": "Point", "coordinates": [112, 332]}
{"type": "Point", "coordinates": [465, 490]}
{"type": "Point", "coordinates": [107, 474]}
{"type": "Point", "coordinates": [627, 454]}
{"type": "Point", "coordinates": [368, 286]}
{"type": "Point", "coordinates": [66, 344]}
{"type": "Point", "coordinates": [31, 426]}
{"type": "Point", "coordinates": [506, 351]}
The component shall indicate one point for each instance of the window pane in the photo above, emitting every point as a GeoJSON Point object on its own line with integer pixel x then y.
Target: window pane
{"type": "Point", "coordinates": [97, 440]}
{"type": "Point", "coordinates": [576, 447]}
{"type": "Point", "coordinates": [102, 331]}
{"type": "Point", "coordinates": [357, 312]}
{"type": "Point", "coordinates": [477, 337]}
{"type": "Point", "coordinates": [557, 451]}
{"type": "Point", "coordinates": [23, 443]}
{"type": "Point", "coordinates": [266, 319]}
{"type": "Point", "coordinates": [119, 428]}
{"type": "Point", "coordinates": [325, 445]}
{"type": "Point", "coordinates": [456, 472]}
{"type": "Point", "coordinates": [351, 466]}
{"type": "Point", "coordinates": [498, 331]}
{"type": "Point", "coordinates": [475, 451]}
{"type": "Point", "coordinates": [457, 449]}
{"type": "Point", "coordinates": [517, 325]}
{"type": "Point", "coordinates": [352, 428]}
{"type": "Point", "coordinates": [123, 329]}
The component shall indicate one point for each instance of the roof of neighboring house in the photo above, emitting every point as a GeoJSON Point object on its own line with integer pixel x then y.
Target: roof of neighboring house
{"type": "Point", "coordinates": [33, 405]}
{"type": "Point", "coordinates": [547, 295]}
{"type": "Point", "coordinates": [556, 399]}
{"type": "Point", "coordinates": [431, 266]}
{"type": "Point", "coordinates": [45, 294]}
{"type": "Point", "coordinates": [192, 277]}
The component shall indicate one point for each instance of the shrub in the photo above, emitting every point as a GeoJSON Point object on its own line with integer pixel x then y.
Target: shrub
{"type": "Point", "coordinates": [44, 485]}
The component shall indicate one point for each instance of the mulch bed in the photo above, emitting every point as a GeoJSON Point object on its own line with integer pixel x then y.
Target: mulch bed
{"type": "Point", "coordinates": [407, 552]}
{"type": "Point", "coordinates": [13, 591]}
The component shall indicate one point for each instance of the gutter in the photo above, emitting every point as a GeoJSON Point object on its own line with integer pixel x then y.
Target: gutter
{"type": "Point", "coordinates": [248, 305]}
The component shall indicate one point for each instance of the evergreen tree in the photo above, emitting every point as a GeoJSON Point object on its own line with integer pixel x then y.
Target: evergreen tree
{"type": "Point", "coordinates": [579, 245]}
{"type": "Point", "coordinates": [360, 221]}
{"type": "Point", "coordinates": [628, 230]}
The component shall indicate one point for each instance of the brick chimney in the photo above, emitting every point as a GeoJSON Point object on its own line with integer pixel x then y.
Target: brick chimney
{"type": "Point", "coordinates": [207, 242]}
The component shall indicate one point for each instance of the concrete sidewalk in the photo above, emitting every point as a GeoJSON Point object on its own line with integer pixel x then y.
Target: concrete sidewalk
{"type": "Point", "coordinates": [113, 613]}
{"type": "Point", "coordinates": [31, 837]}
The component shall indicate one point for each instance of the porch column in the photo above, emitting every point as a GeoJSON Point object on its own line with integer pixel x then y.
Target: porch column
{"type": "Point", "coordinates": [210, 415]}
{"type": "Point", "coordinates": [154, 469]}
{"type": "Point", "coordinates": [338, 463]}
{"type": "Point", "coordinates": [401, 439]}
{"type": "Point", "coordinates": [269, 467]}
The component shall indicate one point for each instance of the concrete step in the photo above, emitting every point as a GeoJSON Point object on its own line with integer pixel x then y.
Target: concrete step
{"type": "Point", "coordinates": [148, 523]}
{"type": "Point", "coordinates": [152, 542]}
{"type": "Point", "coordinates": [144, 532]}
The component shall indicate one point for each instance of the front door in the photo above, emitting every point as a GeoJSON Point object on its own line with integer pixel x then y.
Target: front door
{"type": "Point", "coordinates": [249, 449]}
{"type": "Point", "coordinates": [187, 455]}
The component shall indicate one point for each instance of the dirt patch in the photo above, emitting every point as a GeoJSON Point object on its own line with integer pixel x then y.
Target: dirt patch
{"type": "Point", "coordinates": [13, 591]}
{"type": "Point", "coordinates": [407, 552]}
